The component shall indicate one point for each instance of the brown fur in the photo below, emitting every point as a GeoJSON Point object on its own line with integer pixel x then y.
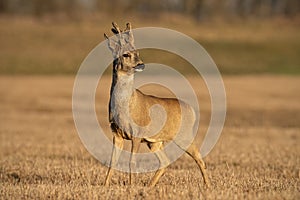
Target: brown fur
{"type": "Point", "coordinates": [130, 108]}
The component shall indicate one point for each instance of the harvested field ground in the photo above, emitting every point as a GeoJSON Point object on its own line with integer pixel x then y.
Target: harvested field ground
{"type": "Point", "coordinates": [257, 156]}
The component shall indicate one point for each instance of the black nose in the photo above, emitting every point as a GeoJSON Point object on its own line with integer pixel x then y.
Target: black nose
{"type": "Point", "coordinates": [140, 67]}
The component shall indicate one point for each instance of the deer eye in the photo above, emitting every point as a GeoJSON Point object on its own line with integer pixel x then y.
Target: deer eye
{"type": "Point", "coordinates": [126, 55]}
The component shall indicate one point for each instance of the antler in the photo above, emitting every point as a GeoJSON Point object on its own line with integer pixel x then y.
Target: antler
{"type": "Point", "coordinates": [119, 33]}
{"type": "Point", "coordinates": [130, 39]}
{"type": "Point", "coordinates": [115, 29]}
{"type": "Point", "coordinates": [124, 41]}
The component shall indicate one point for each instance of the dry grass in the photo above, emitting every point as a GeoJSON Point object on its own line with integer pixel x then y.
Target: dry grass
{"type": "Point", "coordinates": [257, 156]}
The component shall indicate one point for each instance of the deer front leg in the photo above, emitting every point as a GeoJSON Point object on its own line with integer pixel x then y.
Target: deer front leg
{"type": "Point", "coordinates": [117, 148]}
{"type": "Point", "coordinates": [163, 159]}
{"type": "Point", "coordinates": [135, 145]}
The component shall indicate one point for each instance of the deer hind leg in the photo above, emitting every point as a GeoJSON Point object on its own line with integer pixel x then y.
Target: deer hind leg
{"type": "Point", "coordinates": [135, 145]}
{"type": "Point", "coordinates": [117, 142]}
{"type": "Point", "coordinates": [163, 159]}
{"type": "Point", "coordinates": [195, 154]}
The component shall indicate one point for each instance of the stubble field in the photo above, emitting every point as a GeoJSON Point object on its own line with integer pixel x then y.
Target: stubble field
{"type": "Point", "coordinates": [257, 156]}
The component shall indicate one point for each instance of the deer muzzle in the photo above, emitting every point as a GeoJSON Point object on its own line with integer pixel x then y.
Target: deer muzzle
{"type": "Point", "coordinates": [139, 67]}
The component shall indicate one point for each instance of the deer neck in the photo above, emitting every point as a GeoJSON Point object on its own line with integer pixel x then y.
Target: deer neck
{"type": "Point", "coordinates": [122, 83]}
{"type": "Point", "coordinates": [122, 90]}
{"type": "Point", "coordinates": [122, 87]}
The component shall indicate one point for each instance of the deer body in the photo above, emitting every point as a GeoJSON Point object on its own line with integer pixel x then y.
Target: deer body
{"type": "Point", "coordinates": [130, 111]}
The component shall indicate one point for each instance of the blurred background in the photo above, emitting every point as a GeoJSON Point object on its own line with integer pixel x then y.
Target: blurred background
{"type": "Point", "coordinates": [242, 36]}
{"type": "Point", "coordinates": [255, 44]}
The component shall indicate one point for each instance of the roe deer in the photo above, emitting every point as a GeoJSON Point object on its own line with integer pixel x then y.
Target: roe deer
{"type": "Point", "coordinates": [129, 106]}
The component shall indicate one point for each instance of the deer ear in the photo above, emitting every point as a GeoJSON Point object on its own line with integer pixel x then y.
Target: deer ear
{"type": "Point", "coordinates": [112, 45]}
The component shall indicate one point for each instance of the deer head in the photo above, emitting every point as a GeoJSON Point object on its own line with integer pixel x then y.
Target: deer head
{"type": "Point", "coordinates": [126, 57]}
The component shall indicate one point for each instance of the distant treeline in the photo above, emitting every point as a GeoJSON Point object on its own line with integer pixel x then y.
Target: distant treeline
{"type": "Point", "coordinates": [198, 9]}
